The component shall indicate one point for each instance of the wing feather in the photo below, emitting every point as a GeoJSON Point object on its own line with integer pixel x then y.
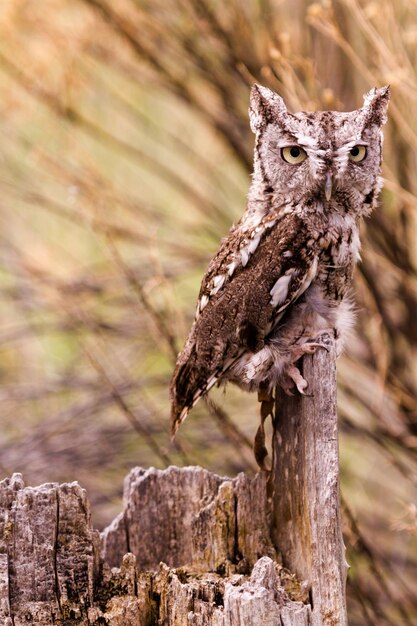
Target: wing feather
{"type": "Point", "coordinates": [248, 304]}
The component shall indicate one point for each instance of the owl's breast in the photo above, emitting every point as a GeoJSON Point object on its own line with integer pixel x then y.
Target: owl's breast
{"type": "Point", "coordinates": [336, 262]}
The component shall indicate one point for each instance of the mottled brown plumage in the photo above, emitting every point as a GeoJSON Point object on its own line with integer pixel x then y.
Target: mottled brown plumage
{"type": "Point", "coordinates": [281, 277]}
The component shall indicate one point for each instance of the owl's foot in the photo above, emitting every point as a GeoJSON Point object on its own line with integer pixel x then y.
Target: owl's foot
{"type": "Point", "coordinates": [266, 399]}
{"type": "Point", "coordinates": [293, 376]}
{"type": "Point", "coordinates": [308, 348]}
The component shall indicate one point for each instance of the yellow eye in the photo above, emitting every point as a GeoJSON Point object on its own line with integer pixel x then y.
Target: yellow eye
{"type": "Point", "coordinates": [357, 153]}
{"type": "Point", "coordinates": [293, 154]}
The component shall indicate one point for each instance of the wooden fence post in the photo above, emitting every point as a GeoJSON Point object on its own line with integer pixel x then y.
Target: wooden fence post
{"type": "Point", "coordinates": [306, 501]}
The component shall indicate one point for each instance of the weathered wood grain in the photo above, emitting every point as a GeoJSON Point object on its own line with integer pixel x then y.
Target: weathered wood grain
{"type": "Point", "coordinates": [307, 523]}
{"type": "Point", "coordinates": [190, 548]}
{"type": "Point", "coordinates": [213, 532]}
{"type": "Point", "coordinates": [191, 516]}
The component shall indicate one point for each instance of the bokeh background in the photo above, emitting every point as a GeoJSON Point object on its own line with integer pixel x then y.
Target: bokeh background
{"type": "Point", "coordinates": [125, 155]}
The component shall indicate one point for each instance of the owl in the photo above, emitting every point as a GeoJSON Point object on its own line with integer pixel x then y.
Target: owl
{"type": "Point", "coordinates": [281, 277]}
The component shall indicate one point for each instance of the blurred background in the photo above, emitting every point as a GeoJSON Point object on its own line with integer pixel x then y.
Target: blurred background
{"type": "Point", "coordinates": [125, 155]}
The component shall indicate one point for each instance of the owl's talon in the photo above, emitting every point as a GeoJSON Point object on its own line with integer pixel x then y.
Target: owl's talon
{"type": "Point", "coordinates": [314, 346]}
{"type": "Point", "coordinates": [294, 373]}
{"type": "Point", "coordinates": [307, 348]}
{"type": "Point", "coordinates": [320, 345]}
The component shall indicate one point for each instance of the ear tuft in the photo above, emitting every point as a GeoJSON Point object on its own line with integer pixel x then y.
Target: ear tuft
{"type": "Point", "coordinates": [376, 102]}
{"type": "Point", "coordinates": [264, 106]}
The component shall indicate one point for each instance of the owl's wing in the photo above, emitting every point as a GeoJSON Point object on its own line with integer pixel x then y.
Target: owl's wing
{"type": "Point", "coordinates": [253, 278]}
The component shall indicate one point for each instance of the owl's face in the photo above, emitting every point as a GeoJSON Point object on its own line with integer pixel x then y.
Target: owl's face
{"type": "Point", "coordinates": [325, 159]}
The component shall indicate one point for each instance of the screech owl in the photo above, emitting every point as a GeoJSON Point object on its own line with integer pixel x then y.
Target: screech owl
{"type": "Point", "coordinates": [281, 277]}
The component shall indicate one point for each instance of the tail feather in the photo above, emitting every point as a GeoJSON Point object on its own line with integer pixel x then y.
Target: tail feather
{"type": "Point", "coordinates": [185, 394]}
{"type": "Point", "coordinates": [190, 383]}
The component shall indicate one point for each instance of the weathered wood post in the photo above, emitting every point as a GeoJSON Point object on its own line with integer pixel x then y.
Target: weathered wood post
{"type": "Point", "coordinates": [306, 519]}
{"type": "Point", "coordinates": [190, 548]}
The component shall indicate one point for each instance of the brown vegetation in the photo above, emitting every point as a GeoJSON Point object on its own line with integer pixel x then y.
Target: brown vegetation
{"type": "Point", "coordinates": [125, 156]}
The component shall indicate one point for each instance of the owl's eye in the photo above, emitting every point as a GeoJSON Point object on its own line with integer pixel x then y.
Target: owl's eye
{"type": "Point", "coordinates": [293, 154]}
{"type": "Point", "coordinates": [357, 153]}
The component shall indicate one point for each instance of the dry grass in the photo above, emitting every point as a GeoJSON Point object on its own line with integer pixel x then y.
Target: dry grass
{"type": "Point", "coordinates": [125, 156]}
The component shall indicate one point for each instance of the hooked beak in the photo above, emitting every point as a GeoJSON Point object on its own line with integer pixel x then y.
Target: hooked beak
{"type": "Point", "coordinates": [328, 186]}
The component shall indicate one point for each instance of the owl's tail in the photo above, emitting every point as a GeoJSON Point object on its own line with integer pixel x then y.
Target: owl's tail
{"type": "Point", "coordinates": [188, 385]}
{"type": "Point", "coordinates": [178, 415]}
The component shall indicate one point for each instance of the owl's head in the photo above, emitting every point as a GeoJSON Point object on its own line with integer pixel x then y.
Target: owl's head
{"type": "Point", "coordinates": [321, 161]}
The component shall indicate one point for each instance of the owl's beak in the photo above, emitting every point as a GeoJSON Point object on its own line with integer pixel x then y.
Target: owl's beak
{"type": "Point", "coordinates": [328, 184]}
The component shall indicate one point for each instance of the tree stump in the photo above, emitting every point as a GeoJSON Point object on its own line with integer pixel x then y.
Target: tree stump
{"type": "Point", "coordinates": [190, 548]}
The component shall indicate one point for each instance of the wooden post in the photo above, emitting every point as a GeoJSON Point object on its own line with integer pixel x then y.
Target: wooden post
{"type": "Point", "coordinates": [306, 519]}
{"type": "Point", "coordinates": [190, 547]}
